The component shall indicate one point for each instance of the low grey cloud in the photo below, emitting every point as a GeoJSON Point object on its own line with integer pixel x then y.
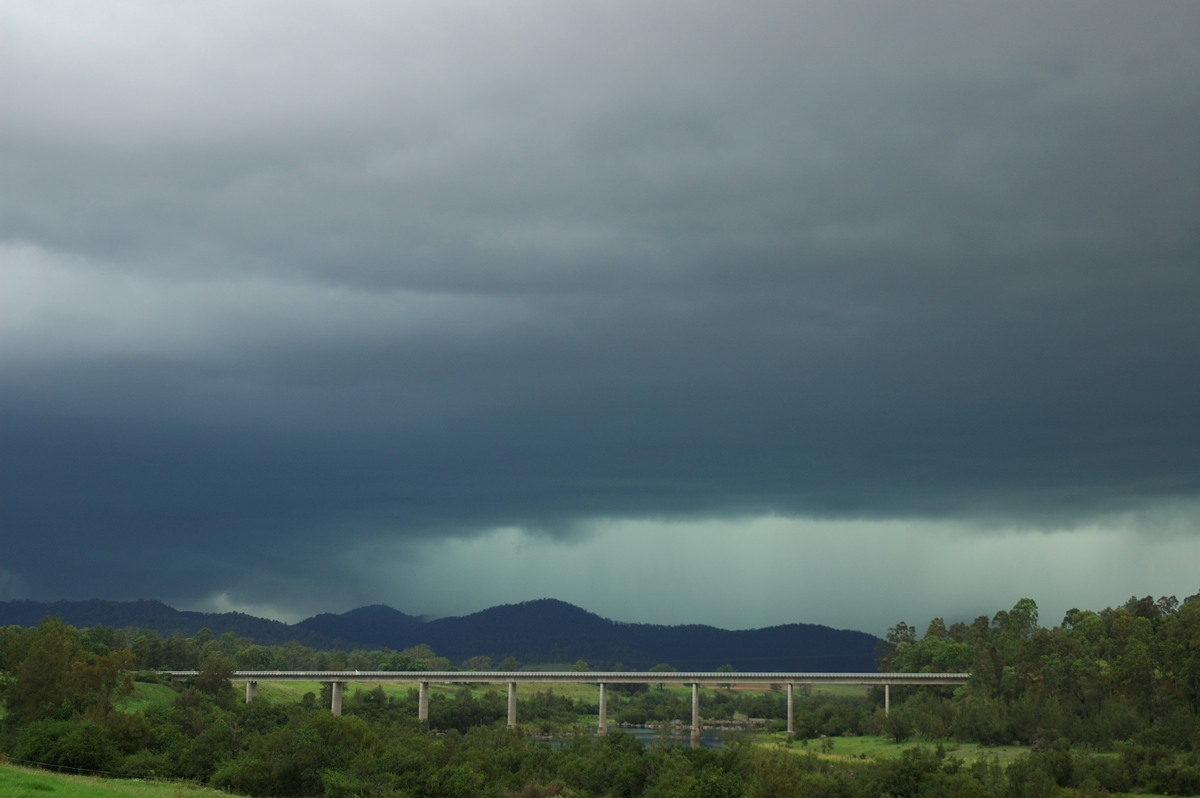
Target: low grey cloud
{"type": "Point", "coordinates": [287, 283]}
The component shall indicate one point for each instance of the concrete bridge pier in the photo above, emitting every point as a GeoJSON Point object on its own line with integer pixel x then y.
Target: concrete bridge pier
{"type": "Point", "coordinates": [791, 715]}
{"type": "Point", "coordinates": [512, 705]}
{"type": "Point", "coordinates": [251, 691]}
{"type": "Point", "coordinates": [423, 702]}
{"type": "Point", "coordinates": [695, 715]}
{"type": "Point", "coordinates": [335, 705]}
{"type": "Point", "coordinates": [887, 699]}
{"type": "Point", "coordinates": [602, 729]}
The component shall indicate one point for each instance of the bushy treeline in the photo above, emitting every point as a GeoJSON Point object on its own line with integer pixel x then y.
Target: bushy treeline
{"type": "Point", "coordinates": [1099, 677]}
{"type": "Point", "coordinates": [1108, 702]}
{"type": "Point", "coordinates": [152, 651]}
{"type": "Point", "coordinates": [1125, 679]}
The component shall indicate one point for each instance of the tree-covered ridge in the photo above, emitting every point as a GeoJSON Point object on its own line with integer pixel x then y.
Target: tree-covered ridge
{"type": "Point", "coordinates": [1106, 702]}
{"type": "Point", "coordinates": [161, 618]}
{"type": "Point", "coordinates": [545, 630]}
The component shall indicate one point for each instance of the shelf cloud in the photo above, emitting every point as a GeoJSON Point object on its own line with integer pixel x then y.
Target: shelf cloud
{"type": "Point", "coordinates": [299, 299]}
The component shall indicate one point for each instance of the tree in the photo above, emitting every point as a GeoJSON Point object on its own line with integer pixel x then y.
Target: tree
{"type": "Point", "coordinates": [901, 633]}
{"type": "Point", "coordinates": [937, 629]}
{"type": "Point", "coordinates": [898, 725]}
{"type": "Point", "coordinates": [482, 663]}
{"type": "Point", "coordinates": [898, 637]}
{"type": "Point", "coordinates": [42, 681]}
{"type": "Point", "coordinates": [1016, 625]}
{"type": "Point", "coordinates": [102, 681]}
{"type": "Point", "coordinates": [401, 662]}
{"type": "Point", "coordinates": [214, 680]}
{"type": "Point", "coordinates": [726, 669]}
{"type": "Point", "coordinates": [662, 667]}
{"type": "Point", "coordinates": [254, 658]}
{"type": "Point", "coordinates": [424, 658]}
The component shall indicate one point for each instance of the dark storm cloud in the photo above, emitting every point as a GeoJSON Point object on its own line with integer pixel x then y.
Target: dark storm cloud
{"type": "Point", "coordinates": [283, 280]}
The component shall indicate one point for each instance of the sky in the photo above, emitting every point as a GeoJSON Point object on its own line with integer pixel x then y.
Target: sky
{"type": "Point", "coordinates": [745, 314]}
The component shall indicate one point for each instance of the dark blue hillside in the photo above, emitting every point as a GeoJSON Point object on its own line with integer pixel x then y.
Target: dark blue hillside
{"type": "Point", "coordinates": [375, 626]}
{"type": "Point", "coordinates": [548, 630]}
{"type": "Point", "coordinates": [542, 631]}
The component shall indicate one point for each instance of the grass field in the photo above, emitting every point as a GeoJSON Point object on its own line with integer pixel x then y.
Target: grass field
{"type": "Point", "coordinates": [147, 695]}
{"type": "Point", "coordinates": [19, 782]}
{"type": "Point", "coordinates": [873, 746]}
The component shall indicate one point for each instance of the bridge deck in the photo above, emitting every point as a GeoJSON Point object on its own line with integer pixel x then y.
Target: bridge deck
{"type": "Point", "coordinates": [591, 677]}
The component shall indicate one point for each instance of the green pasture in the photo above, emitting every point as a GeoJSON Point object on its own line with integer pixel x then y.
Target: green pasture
{"type": "Point", "coordinates": [146, 695]}
{"type": "Point", "coordinates": [870, 746]}
{"type": "Point", "coordinates": [293, 692]}
{"type": "Point", "coordinates": [19, 782]}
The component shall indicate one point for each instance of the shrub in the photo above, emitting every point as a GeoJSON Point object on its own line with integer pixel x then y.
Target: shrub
{"type": "Point", "coordinates": [69, 745]}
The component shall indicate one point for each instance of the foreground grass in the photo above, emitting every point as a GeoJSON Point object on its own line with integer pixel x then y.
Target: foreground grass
{"type": "Point", "coordinates": [20, 782]}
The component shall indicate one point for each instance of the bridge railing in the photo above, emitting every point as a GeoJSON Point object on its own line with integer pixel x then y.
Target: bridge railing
{"type": "Point", "coordinates": [591, 677]}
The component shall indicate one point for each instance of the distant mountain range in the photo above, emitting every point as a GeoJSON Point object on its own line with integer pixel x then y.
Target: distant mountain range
{"type": "Point", "coordinates": [541, 631]}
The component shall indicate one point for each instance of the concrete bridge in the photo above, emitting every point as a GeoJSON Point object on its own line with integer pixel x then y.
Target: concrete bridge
{"type": "Point", "coordinates": [339, 679]}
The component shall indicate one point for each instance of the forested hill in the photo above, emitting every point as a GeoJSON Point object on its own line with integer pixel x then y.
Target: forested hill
{"type": "Point", "coordinates": [548, 630]}
{"type": "Point", "coordinates": [542, 631]}
{"type": "Point", "coordinates": [164, 619]}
